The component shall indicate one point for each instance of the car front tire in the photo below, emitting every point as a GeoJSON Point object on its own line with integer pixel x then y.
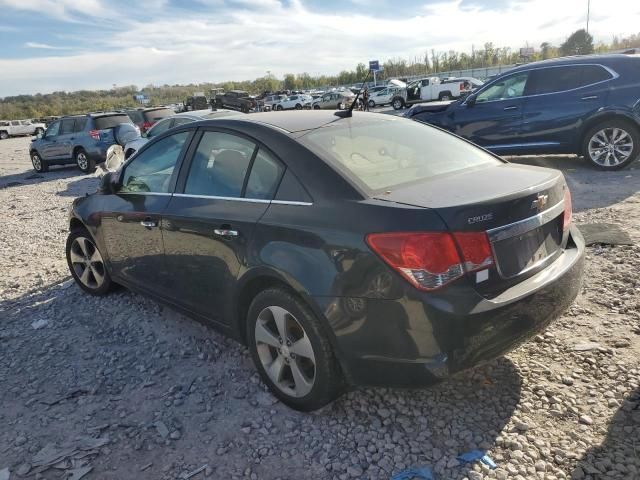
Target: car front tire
{"type": "Point", "coordinates": [612, 144]}
{"type": "Point", "coordinates": [291, 352]}
{"type": "Point", "coordinates": [86, 263]}
{"type": "Point", "coordinates": [39, 165]}
{"type": "Point", "coordinates": [84, 162]}
{"type": "Point", "coordinates": [397, 103]}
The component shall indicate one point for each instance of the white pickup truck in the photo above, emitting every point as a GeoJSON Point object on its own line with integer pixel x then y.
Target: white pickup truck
{"type": "Point", "coordinates": [426, 90]}
{"type": "Point", "coordinates": [15, 128]}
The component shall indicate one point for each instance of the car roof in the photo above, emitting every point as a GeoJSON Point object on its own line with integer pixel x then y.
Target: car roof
{"type": "Point", "coordinates": [575, 60]}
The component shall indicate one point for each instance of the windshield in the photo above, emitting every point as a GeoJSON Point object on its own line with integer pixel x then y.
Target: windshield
{"type": "Point", "coordinates": [381, 153]}
{"type": "Point", "coordinates": [155, 115]}
{"type": "Point", "coordinates": [103, 123]}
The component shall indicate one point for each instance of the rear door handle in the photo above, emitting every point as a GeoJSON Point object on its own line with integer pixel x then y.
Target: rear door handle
{"type": "Point", "coordinates": [224, 232]}
{"type": "Point", "coordinates": [513, 107]}
{"type": "Point", "coordinates": [590, 97]}
{"type": "Point", "coordinates": [148, 223]}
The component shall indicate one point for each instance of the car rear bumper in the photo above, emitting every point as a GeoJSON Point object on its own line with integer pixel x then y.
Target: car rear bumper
{"type": "Point", "coordinates": [421, 339]}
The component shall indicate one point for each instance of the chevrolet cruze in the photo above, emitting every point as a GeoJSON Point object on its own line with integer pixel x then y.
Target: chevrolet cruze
{"type": "Point", "coordinates": [343, 250]}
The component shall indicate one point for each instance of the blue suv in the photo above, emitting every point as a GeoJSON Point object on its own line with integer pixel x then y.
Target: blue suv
{"type": "Point", "coordinates": [588, 105]}
{"type": "Point", "coordinates": [80, 139]}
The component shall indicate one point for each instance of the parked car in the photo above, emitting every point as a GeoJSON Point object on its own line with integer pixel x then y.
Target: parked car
{"type": "Point", "coordinates": [384, 96]}
{"type": "Point", "coordinates": [427, 90]}
{"type": "Point", "coordinates": [168, 123]}
{"type": "Point", "coordinates": [334, 100]}
{"type": "Point", "coordinates": [588, 105]}
{"type": "Point", "coordinates": [16, 128]}
{"type": "Point", "coordinates": [294, 102]}
{"type": "Point", "coordinates": [81, 139]}
{"type": "Point", "coordinates": [367, 250]}
{"type": "Point", "coordinates": [470, 83]}
{"type": "Point", "coordinates": [236, 100]}
{"type": "Point", "coordinates": [145, 118]}
{"type": "Point", "coordinates": [271, 101]}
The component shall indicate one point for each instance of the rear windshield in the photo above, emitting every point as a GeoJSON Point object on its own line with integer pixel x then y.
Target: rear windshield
{"type": "Point", "coordinates": [155, 115]}
{"type": "Point", "coordinates": [384, 152]}
{"type": "Point", "coordinates": [104, 123]}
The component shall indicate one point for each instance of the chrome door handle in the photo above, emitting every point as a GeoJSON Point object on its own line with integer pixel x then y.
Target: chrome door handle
{"type": "Point", "coordinates": [590, 97]}
{"type": "Point", "coordinates": [511, 108]}
{"type": "Point", "coordinates": [223, 232]}
{"type": "Point", "coordinates": [149, 223]}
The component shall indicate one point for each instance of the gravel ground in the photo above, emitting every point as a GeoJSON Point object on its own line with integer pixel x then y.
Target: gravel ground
{"type": "Point", "coordinates": [121, 387]}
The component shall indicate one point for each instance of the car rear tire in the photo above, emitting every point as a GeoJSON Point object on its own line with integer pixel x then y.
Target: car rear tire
{"type": "Point", "coordinates": [316, 107]}
{"type": "Point", "coordinates": [612, 144]}
{"type": "Point", "coordinates": [4, 135]}
{"type": "Point", "coordinates": [397, 103]}
{"type": "Point", "coordinates": [279, 108]}
{"type": "Point", "coordinates": [298, 106]}
{"type": "Point", "coordinates": [39, 165]}
{"type": "Point", "coordinates": [291, 352]}
{"type": "Point", "coordinates": [372, 104]}
{"type": "Point", "coordinates": [86, 264]}
{"type": "Point", "coordinates": [84, 162]}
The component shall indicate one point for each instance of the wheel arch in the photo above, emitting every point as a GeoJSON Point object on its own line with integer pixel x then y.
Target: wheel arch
{"type": "Point", "coordinates": [602, 117]}
{"type": "Point", "coordinates": [76, 149]}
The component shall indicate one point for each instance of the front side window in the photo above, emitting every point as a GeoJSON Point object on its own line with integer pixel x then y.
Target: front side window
{"type": "Point", "coordinates": [52, 131]}
{"type": "Point", "coordinates": [382, 153]}
{"type": "Point", "coordinates": [151, 169]}
{"type": "Point", "coordinates": [219, 165]}
{"type": "Point", "coordinates": [505, 88]}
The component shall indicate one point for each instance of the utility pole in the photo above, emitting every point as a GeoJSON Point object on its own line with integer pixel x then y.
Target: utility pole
{"type": "Point", "coordinates": [588, 13]}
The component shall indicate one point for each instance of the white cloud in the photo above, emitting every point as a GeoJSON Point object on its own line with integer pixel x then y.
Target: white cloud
{"type": "Point", "coordinates": [63, 9]}
{"type": "Point", "coordinates": [43, 46]}
{"type": "Point", "coordinates": [245, 41]}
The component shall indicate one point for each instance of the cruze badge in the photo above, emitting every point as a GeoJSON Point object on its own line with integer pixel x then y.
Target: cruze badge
{"type": "Point", "coordinates": [540, 202]}
{"type": "Point", "coordinates": [480, 218]}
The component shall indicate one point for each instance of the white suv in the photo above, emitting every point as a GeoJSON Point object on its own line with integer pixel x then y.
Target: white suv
{"type": "Point", "coordinates": [15, 128]}
{"type": "Point", "coordinates": [295, 101]}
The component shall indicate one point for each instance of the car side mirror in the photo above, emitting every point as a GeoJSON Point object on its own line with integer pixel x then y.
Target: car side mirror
{"type": "Point", "coordinates": [471, 100]}
{"type": "Point", "coordinates": [109, 183]}
{"type": "Point", "coordinates": [40, 135]}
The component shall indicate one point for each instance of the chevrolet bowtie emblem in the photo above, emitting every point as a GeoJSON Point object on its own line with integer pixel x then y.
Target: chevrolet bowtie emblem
{"type": "Point", "coordinates": [540, 202]}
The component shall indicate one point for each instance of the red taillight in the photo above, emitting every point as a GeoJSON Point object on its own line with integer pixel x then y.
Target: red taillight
{"type": "Point", "coordinates": [95, 134]}
{"type": "Point", "coordinates": [431, 260]}
{"type": "Point", "coordinates": [146, 126]}
{"type": "Point", "coordinates": [566, 218]}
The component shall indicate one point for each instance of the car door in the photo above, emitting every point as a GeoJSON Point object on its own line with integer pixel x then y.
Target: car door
{"type": "Point", "coordinates": [209, 222]}
{"type": "Point", "coordinates": [493, 118]}
{"type": "Point", "coordinates": [64, 147]}
{"type": "Point", "coordinates": [560, 100]}
{"type": "Point", "coordinates": [131, 218]}
{"type": "Point", "coordinates": [48, 146]}
{"type": "Point", "coordinates": [26, 128]}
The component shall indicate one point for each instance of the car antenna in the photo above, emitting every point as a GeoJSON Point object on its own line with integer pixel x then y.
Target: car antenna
{"type": "Point", "coordinates": [348, 113]}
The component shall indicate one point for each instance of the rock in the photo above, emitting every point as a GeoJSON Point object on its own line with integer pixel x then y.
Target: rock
{"type": "Point", "coordinates": [355, 471]}
{"type": "Point", "coordinates": [5, 474]}
{"type": "Point", "coordinates": [175, 435]}
{"type": "Point", "coordinates": [38, 324]}
{"type": "Point", "coordinates": [586, 420]}
{"type": "Point", "coordinates": [23, 469]}
{"type": "Point", "coordinates": [162, 429]}
{"type": "Point", "coordinates": [20, 440]}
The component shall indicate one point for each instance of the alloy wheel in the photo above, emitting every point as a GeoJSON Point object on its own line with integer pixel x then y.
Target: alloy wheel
{"type": "Point", "coordinates": [36, 161]}
{"type": "Point", "coordinates": [285, 351]}
{"type": "Point", "coordinates": [87, 263]}
{"type": "Point", "coordinates": [610, 147]}
{"type": "Point", "coordinates": [81, 159]}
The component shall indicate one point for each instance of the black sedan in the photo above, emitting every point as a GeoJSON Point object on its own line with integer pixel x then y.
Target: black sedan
{"type": "Point", "coordinates": [366, 250]}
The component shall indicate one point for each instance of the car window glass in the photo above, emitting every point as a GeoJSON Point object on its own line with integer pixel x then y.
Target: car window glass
{"type": "Point", "coordinates": [157, 115]}
{"type": "Point", "coordinates": [151, 169]}
{"type": "Point", "coordinates": [560, 79]}
{"type": "Point", "coordinates": [505, 88]}
{"type": "Point", "coordinates": [15, 123]}
{"type": "Point", "coordinates": [25, 122]}
{"type": "Point", "coordinates": [52, 131]}
{"type": "Point", "coordinates": [66, 126]}
{"type": "Point", "coordinates": [80, 124]}
{"type": "Point", "coordinates": [159, 128]}
{"type": "Point", "coordinates": [593, 74]}
{"type": "Point", "coordinates": [264, 176]}
{"type": "Point", "coordinates": [219, 165]}
{"type": "Point", "coordinates": [181, 121]}
{"type": "Point", "coordinates": [135, 116]}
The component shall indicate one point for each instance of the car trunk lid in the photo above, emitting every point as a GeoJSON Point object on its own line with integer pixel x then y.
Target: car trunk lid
{"type": "Point", "coordinates": [519, 207]}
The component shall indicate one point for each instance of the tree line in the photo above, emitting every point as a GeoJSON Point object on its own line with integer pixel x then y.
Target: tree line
{"type": "Point", "coordinates": [65, 103]}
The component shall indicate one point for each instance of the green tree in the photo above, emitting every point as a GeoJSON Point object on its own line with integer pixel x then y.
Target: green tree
{"type": "Point", "coordinates": [579, 42]}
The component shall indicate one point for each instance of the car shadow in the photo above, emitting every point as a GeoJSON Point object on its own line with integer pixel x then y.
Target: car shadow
{"type": "Point", "coordinates": [76, 188]}
{"type": "Point", "coordinates": [31, 177]}
{"type": "Point", "coordinates": [618, 456]}
{"type": "Point", "coordinates": [590, 188]}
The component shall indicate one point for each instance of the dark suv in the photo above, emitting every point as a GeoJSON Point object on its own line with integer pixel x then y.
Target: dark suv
{"type": "Point", "coordinates": [145, 118]}
{"type": "Point", "coordinates": [587, 105]}
{"type": "Point", "coordinates": [80, 139]}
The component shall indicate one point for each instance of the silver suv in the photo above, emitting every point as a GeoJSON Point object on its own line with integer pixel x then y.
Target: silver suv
{"type": "Point", "coordinates": [16, 128]}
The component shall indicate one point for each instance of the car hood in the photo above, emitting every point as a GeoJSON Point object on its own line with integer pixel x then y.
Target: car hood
{"type": "Point", "coordinates": [431, 107]}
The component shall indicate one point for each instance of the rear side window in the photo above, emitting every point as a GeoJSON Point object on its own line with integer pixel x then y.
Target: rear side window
{"type": "Point", "coordinates": [80, 124]}
{"type": "Point", "coordinates": [560, 79]}
{"type": "Point", "coordinates": [104, 123]}
{"type": "Point", "coordinates": [219, 165]}
{"type": "Point", "coordinates": [155, 115]}
{"type": "Point", "coordinates": [379, 154]}
{"type": "Point", "coordinates": [264, 177]}
{"type": "Point", "coordinates": [66, 126]}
